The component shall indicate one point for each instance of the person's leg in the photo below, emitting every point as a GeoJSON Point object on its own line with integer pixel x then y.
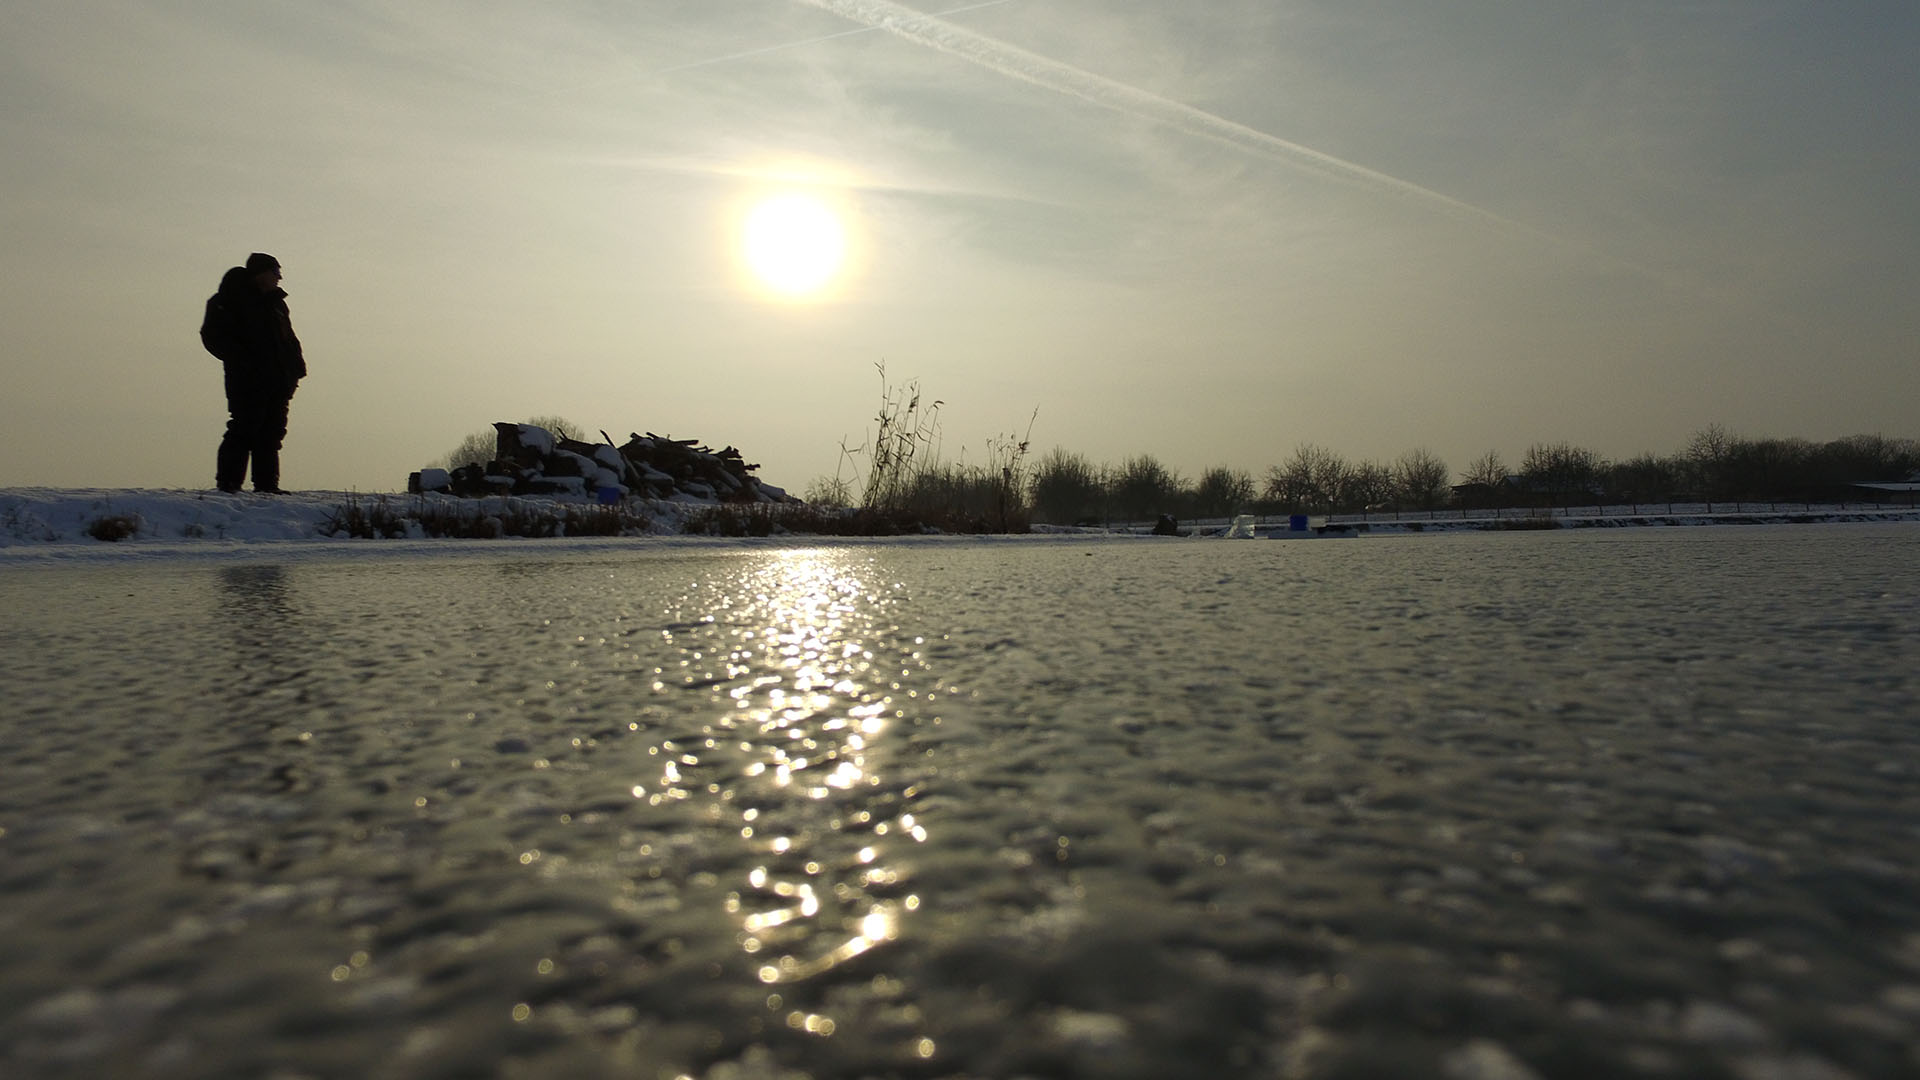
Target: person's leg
{"type": "Point", "coordinates": [230, 463]}
{"type": "Point", "coordinates": [270, 430]}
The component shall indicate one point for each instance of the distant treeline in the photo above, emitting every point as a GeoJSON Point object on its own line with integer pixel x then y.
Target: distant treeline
{"type": "Point", "coordinates": [901, 478]}
{"type": "Point", "coordinates": [1065, 487]}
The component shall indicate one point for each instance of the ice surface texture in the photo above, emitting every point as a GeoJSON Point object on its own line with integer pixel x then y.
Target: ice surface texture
{"type": "Point", "coordinates": [1490, 805]}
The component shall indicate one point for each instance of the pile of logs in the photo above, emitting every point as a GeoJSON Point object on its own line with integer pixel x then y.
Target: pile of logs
{"type": "Point", "coordinates": [530, 460]}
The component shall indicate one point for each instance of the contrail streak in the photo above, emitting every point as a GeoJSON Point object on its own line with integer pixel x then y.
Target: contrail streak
{"type": "Point", "coordinates": [750, 53]}
{"type": "Point", "coordinates": [1017, 63]}
{"type": "Point", "coordinates": [817, 40]}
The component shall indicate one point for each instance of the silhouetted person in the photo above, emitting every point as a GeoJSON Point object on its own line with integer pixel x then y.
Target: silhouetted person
{"type": "Point", "coordinates": [247, 326]}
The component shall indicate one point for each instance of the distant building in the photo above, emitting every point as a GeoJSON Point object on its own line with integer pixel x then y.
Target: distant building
{"type": "Point", "coordinates": [1891, 490]}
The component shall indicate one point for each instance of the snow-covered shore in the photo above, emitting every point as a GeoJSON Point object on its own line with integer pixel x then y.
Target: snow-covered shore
{"type": "Point", "coordinates": [44, 516]}
{"type": "Point", "coordinates": [39, 524]}
{"type": "Point", "coordinates": [56, 523]}
{"type": "Point", "coordinates": [52, 525]}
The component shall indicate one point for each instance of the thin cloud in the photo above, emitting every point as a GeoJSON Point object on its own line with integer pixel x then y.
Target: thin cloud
{"type": "Point", "coordinates": [748, 54]}
{"type": "Point", "coordinates": [1017, 63]}
{"type": "Point", "coordinates": [816, 40]}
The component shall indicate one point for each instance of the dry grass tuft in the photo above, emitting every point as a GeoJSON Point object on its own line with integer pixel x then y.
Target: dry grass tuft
{"type": "Point", "coordinates": [114, 527]}
{"type": "Point", "coordinates": [482, 519]}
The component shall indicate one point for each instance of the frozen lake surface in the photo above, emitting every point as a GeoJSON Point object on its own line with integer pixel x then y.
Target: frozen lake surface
{"type": "Point", "coordinates": [1627, 803]}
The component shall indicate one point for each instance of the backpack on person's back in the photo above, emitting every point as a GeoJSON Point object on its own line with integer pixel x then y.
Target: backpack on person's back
{"type": "Point", "coordinates": [220, 330]}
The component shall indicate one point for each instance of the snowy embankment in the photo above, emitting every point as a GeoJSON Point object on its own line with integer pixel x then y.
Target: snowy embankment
{"type": "Point", "coordinates": [38, 524]}
{"type": "Point", "coordinates": [44, 525]}
{"type": "Point", "coordinates": [68, 522]}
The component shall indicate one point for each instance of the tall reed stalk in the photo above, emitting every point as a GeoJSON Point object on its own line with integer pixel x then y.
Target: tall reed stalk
{"type": "Point", "coordinates": [905, 478]}
{"type": "Point", "coordinates": [905, 432]}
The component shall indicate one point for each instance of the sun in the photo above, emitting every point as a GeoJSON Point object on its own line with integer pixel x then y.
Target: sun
{"type": "Point", "coordinates": [794, 243]}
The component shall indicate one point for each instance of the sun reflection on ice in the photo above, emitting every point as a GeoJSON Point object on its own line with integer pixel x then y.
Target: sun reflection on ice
{"type": "Point", "coordinates": [801, 665]}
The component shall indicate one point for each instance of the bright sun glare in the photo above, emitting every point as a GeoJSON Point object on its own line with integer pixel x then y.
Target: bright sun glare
{"type": "Point", "coordinates": [794, 244]}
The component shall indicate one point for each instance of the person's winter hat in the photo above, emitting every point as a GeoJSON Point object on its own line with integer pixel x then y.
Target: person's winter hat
{"type": "Point", "coordinates": [260, 262]}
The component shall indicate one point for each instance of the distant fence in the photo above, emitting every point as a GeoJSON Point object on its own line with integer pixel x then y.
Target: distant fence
{"type": "Point", "coordinates": [1529, 513]}
{"type": "Point", "coordinates": [1663, 509]}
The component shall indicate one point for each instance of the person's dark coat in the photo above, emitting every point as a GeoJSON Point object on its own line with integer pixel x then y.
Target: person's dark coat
{"type": "Point", "coordinates": [252, 333]}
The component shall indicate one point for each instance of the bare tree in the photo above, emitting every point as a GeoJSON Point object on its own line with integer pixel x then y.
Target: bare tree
{"type": "Point", "coordinates": [1420, 479]}
{"type": "Point", "coordinates": [1222, 491]}
{"type": "Point", "coordinates": [1873, 457]}
{"type": "Point", "coordinates": [1311, 480]}
{"type": "Point", "coordinates": [1561, 470]}
{"type": "Point", "coordinates": [1145, 487]}
{"type": "Point", "coordinates": [1364, 486]}
{"type": "Point", "coordinates": [475, 449]}
{"type": "Point", "coordinates": [1282, 488]}
{"type": "Point", "coordinates": [1646, 478]}
{"type": "Point", "coordinates": [1065, 487]}
{"type": "Point", "coordinates": [1484, 484]}
{"type": "Point", "coordinates": [1768, 468]}
{"type": "Point", "coordinates": [482, 446]}
{"type": "Point", "coordinates": [1487, 469]}
{"type": "Point", "coordinates": [1709, 444]}
{"type": "Point", "coordinates": [1709, 453]}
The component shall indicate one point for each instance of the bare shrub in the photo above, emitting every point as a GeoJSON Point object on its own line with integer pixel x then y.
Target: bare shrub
{"type": "Point", "coordinates": [829, 493]}
{"type": "Point", "coordinates": [364, 521]}
{"type": "Point", "coordinates": [113, 527]}
{"type": "Point", "coordinates": [1530, 523]}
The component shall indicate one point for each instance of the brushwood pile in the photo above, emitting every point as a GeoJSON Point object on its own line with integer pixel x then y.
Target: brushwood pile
{"type": "Point", "coordinates": [530, 460]}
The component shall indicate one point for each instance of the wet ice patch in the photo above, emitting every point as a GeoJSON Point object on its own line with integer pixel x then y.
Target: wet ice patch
{"type": "Point", "coordinates": [1103, 1031]}
{"type": "Point", "coordinates": [1797, 1067]}
{"type": "Point", "coordinates": [79, 1024]}
{"type": "Point", "coordinates": [1715, 1024]}
{"type": "Point", "coordinates": [1484, 1059]}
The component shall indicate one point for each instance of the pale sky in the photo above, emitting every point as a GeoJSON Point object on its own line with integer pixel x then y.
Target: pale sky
{"type": "Point", "coordinates": [1208, 231]}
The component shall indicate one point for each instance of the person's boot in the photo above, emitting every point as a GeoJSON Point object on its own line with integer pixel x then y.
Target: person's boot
{"type": "Point", "coordinates": [230, 465]}
{"type": "Point", "coordinates": [266, 472]}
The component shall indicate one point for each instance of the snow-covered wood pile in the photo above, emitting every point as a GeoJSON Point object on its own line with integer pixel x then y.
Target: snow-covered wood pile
{"type": "Point", "coordinates": [530, 460]}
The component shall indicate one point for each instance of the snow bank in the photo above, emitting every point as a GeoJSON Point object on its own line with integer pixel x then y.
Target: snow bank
{"type": "Point", "coordinates": [60, 522]}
